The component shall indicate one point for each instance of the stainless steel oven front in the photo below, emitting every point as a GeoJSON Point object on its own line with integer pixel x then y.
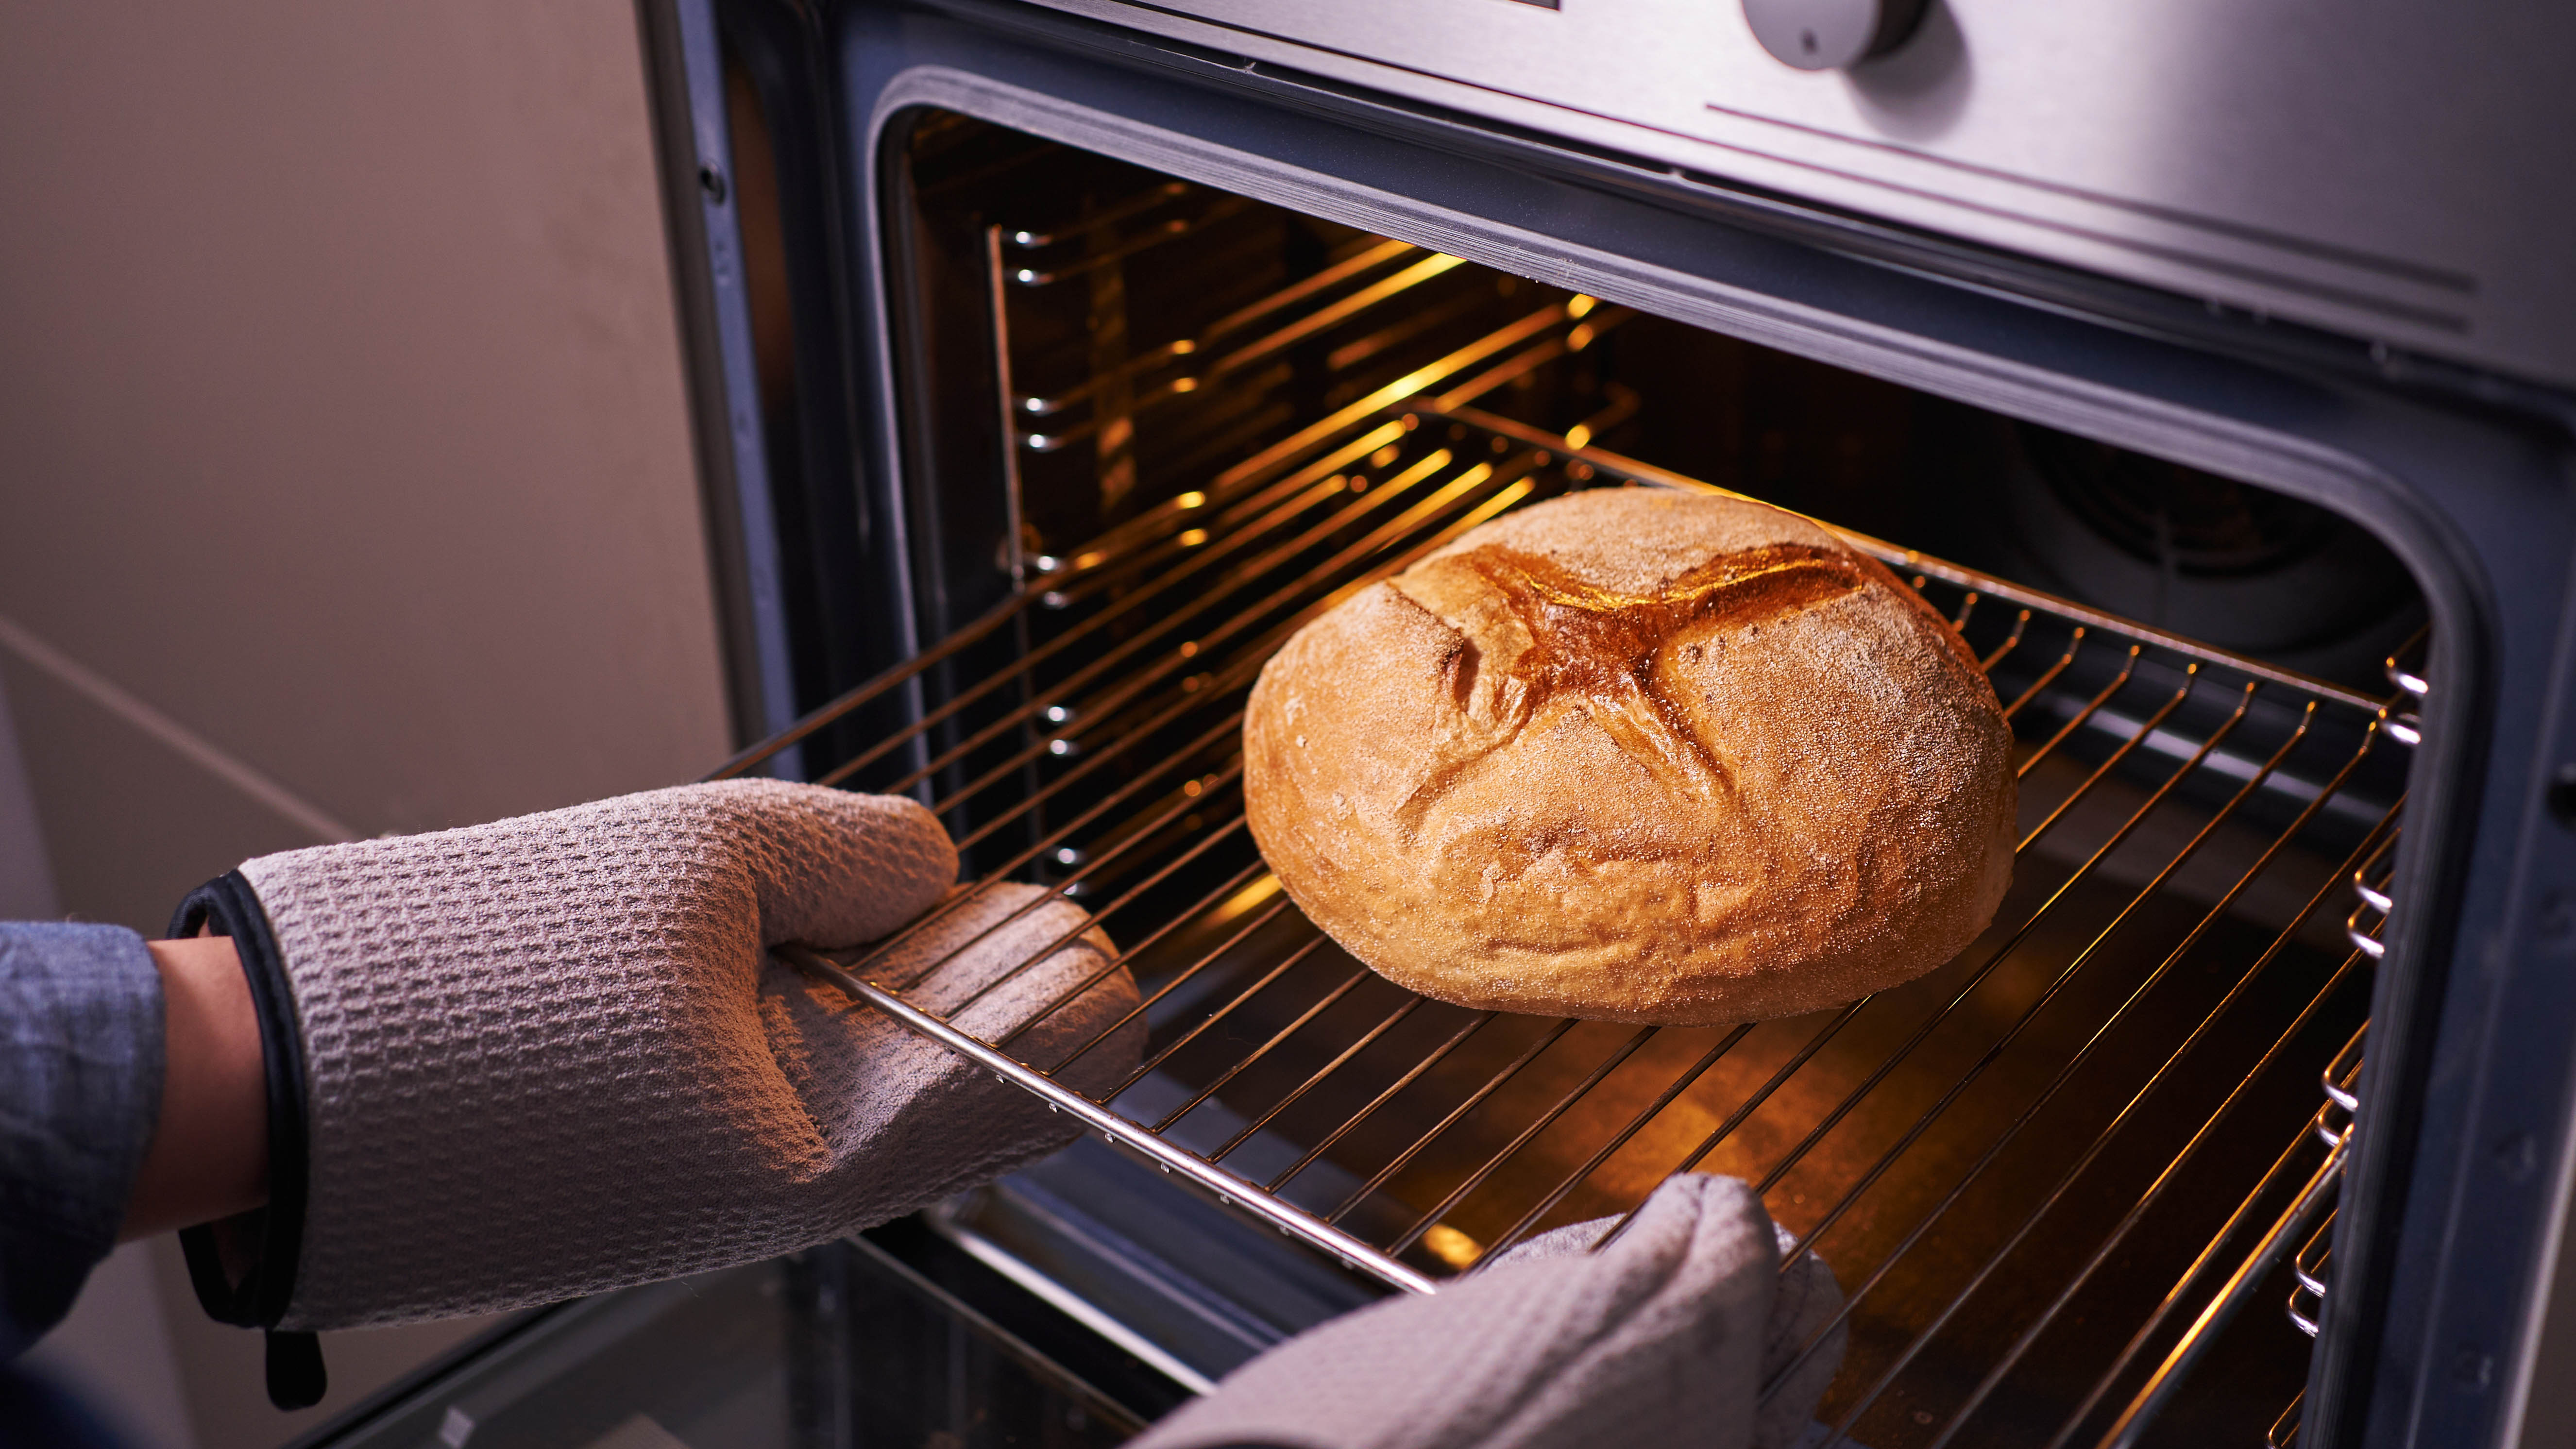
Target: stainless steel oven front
{"type": "Point", "coordinates": [2208, 365]}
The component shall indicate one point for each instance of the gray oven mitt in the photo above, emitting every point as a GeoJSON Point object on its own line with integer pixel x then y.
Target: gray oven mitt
{"type": "Point", "coordinates": [552, 1055]}
{"type": "Point", "coordinates": [1664, 1338]}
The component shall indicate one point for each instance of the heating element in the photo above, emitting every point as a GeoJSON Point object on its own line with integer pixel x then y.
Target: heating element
{"type": "Point", "coordinates": [2047, 1175]}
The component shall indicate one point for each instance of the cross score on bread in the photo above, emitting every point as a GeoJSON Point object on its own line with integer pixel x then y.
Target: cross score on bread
{"type": "Point", "coordinates": [1637, 755]}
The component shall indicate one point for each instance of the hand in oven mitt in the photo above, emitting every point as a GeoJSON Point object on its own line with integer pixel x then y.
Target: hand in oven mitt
{"type": "Point", "coordinates": [1664, 1338]}
{"type": "Point", "coordinates": [552, 1055]}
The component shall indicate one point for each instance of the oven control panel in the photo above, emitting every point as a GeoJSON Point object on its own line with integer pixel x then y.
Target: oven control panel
{"type": "Point", "coordinates": [2397, 174]}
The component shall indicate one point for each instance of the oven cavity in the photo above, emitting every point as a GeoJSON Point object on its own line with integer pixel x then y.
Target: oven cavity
{"type": "Point", "coordinates": [1152, 429]}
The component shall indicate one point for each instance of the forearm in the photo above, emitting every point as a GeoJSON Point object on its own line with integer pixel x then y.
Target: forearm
{"type": "Point", "coordinates": [208, 1157]}
{"type": "Point", "coordinates": [80, 1079]}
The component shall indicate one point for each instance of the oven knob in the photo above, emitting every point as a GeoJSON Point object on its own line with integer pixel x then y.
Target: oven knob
{"type": "Point", "coordinates": [1831, 34]}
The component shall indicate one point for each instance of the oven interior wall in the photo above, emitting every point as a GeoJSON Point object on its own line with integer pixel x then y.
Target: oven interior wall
{"type": "Point", "coordinates": [1113, 418]}
{"type": "Point", "coordinates": [1090, 354]}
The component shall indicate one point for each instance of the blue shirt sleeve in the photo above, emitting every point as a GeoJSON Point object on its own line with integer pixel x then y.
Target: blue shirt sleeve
{"type": "Point", "coordinates": [80, 1091]}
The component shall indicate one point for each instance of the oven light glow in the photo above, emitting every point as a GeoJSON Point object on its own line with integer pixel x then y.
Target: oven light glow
{"type": "Point", "coordinates": [1194, 537]}
{"type": "Point", "coordinates": [1249, 898]}
{"type": "Point", "coordinates": [1578, 435]}
{"type": "Point", "coordinates": [1451, 1246]}
{"type": "Point", "coordinates": [1580, 306]}
{"type": "Point", "coordinates": [1193, 499]}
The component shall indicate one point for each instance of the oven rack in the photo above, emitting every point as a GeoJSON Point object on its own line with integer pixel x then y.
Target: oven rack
{"type": "Point", "coordinates": [2341, 1079]}
{"type": "Point", "coordinates": [1155, 334]}
{"type": "Point", "coordinates": [2039, 1133]}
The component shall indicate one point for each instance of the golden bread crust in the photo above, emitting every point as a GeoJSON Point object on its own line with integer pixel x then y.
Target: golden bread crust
{"type": "Point", "coordinates": [1638, 755]}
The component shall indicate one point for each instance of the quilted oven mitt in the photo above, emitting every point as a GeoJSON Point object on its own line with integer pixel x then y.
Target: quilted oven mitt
{"type": "Point", "coordinates": [552, 1055]}
{"type": "Point", "coordinates": [1663, 1338]}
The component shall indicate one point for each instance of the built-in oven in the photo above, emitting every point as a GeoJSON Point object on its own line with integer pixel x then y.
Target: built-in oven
{"type": "Point", "coordinates": [1055, 362]}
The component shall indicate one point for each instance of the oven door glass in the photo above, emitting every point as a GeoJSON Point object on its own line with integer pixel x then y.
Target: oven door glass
{"type": "Point", "coordinates": [894, 1339]}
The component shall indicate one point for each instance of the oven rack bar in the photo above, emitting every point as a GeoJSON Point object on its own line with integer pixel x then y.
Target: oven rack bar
{"type": "Point", "coordinates": [2069, 1175]}
{"type": "Point", "coordinates": [2310, 1264]}
{"type": "Point", "coordinates": [1201, 548]}
{"type": "Point", "coordinates": [2285, 1430]}
{"type": "Point", "coordinates": [1184, 365]}
{"type": "Point", "coordinates": [1367, 260]}
{"type": "Point", "coordinates": [2370, 870]}
{"type": "Point", "coordinates": [2315, 1196]}
{"type": "Point", "coordinates": [2172, 786]}
{"type": "Point", "coordinates": [1229, 1189]}
{"type": "Point", "coordinates": [1104, 390]}
{"type": "Point", "coordinates": [1906, 561]}
{"type": "Point", "coordinates": [1367, 294]}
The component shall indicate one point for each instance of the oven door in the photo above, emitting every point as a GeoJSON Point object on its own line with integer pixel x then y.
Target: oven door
{"type": "Point", "coordinates": [903, 582]}
{"type": "Point", "coordinates": [894, 1338]}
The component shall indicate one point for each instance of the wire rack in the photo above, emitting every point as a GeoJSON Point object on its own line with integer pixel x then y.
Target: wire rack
{"type": "Point", "coordinates": [1999, 1161]}
{"type": "Point", "coordinates": [2335, 1122]}
{"type": "Point", "coordinates": [2046, 1175]}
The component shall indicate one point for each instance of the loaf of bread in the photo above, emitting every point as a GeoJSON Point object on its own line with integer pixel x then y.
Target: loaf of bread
{"type": "Point", "coordinates": [1640, 755]}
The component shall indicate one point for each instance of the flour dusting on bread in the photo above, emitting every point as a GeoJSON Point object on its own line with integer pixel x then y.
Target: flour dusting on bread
{"type": "Point", "coordinates": [1636, 754]}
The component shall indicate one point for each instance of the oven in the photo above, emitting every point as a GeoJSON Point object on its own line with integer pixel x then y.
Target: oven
{"type": "Point", "coordinates": [1054, 362]}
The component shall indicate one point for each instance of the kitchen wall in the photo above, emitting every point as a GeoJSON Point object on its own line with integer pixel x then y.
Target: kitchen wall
{"type": "Point", "coordinates": [345, 480]}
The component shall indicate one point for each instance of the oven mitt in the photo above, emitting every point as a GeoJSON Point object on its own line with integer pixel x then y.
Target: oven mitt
{"type": "Point", "coordinates": [549, 1056]}
{"type": "Point", "coordinates": [1664, 1338]}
